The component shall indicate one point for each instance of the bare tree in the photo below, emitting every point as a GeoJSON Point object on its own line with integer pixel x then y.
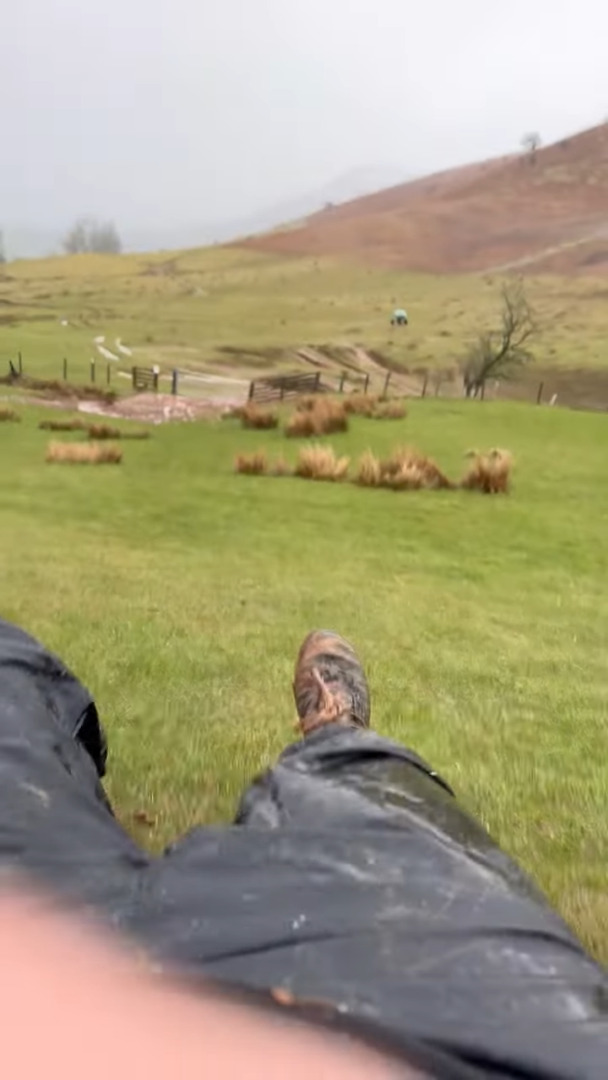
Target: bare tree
{"type": "Point", "coordinates": [88, 235]}
{"type": "Point", "coordinates": [531, 143]}
{"type": "Point", "coordinates": [496, 354]}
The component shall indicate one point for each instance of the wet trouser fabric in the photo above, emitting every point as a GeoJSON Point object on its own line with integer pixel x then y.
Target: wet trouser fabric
{"type": "Point", "coordinates": [351, 878]}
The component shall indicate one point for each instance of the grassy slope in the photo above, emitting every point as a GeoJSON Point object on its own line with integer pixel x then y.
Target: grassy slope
{"type": "Point", "coordinates": [180, 592]}
{"type": "Point", "coordinates": [217, 297]}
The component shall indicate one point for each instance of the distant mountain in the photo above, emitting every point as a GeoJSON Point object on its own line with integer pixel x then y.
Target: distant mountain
{"type": "Point", "coordinates": [547, 210]}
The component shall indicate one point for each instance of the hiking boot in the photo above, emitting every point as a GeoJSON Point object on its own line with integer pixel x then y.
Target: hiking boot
{"type": "Point", "coordinates": [329, 684]}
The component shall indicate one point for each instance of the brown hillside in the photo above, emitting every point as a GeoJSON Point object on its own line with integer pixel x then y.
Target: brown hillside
{"type": "Point", "coordinates": [550, 213]}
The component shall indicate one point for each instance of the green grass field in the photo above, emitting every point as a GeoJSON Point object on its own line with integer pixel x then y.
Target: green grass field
{"type": "Point", "coordinates": [179, 592]}
{"type": "Point", "coordinates": [184, 309]}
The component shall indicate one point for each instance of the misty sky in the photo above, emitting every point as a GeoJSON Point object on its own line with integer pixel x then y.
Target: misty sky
{"type": "Point", "coordinates": [176, 111]}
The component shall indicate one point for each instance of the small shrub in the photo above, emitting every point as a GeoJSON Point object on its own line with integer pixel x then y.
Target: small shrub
{"type": "Point", "coordinates": [390, 410]}
{"type": "Point", "coordinates": [488, 473]}
{"type": "Point", "coordinates": [62, 425]}
{"type": "Point", "coordinates": [254, 464]}
{"type": "Point", "coordinates": [71, 453]}
{"type": "Point", "coordinates": [9, 416]}
{"type": "Point", "coordinates": [369, 472]}
{"type": "Point", "coordinates": [321, 463]}
{"type": "Point", "coordinates": [260, 419]}
{"type": "Point", "coordinates": [361, 404]}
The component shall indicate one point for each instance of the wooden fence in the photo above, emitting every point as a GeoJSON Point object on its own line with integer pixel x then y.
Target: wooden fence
{"type": "Point", "coordinates": [144, 378]}
{"type": "Point", "coordinates": [279, 387]}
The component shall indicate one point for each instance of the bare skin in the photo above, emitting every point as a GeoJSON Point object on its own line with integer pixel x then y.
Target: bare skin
{"type": "Point", "coordinates": [72, 1003]}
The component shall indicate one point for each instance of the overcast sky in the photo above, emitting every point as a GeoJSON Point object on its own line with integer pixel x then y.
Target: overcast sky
{"type": "Point", "coordinates": [176, 111]}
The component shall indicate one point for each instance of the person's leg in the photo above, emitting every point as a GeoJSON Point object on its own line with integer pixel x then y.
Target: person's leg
{"type": "Point", "coordinates": [55, 820]}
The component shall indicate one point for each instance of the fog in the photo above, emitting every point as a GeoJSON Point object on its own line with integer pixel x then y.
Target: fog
{"type": "Point", "coordinates": [181, 118]}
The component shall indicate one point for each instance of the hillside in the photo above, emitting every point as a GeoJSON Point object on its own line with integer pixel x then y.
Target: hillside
{"type": "Point", "coordinates": [549, 212]}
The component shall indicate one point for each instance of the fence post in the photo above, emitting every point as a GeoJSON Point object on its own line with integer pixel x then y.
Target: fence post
{"type": "Point", "coordinates": [65, 369]}
{"type": "Point", "coordinates": [425, 384]}
{"type": "Point", "coordinates": [539, 396]}
{"type": "Point", "coordinates": [281, 392]}
{"type": "Point", "coordinates": [483, 391]}
{"type": "Point", "coordinates": [342, 381]}
{"type": "Point", "coordinates": [92, 369]}
{"type": "Point", "coordinates": [174, 378]}
{"type": "Point", "coordinates": [134, 377]}
{"type": "Point", "coordinates": [317, 382]}
{"type": "Point", "coordinates": [251, 389]}
{"type": "Point", "coordinates": [438, 382]}
{"type": "Point", "coordinates": [386, 382]}
{"type": "Point", "coordinates": [108, 374]}
{"type": "Point", "coordinates": [20, 362]}
{"type": "Point", "coordinates": [366, 383]}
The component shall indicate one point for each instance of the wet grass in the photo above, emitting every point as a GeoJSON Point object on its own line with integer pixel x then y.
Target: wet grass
{"type": "Point", "coordinates": [179, 591]}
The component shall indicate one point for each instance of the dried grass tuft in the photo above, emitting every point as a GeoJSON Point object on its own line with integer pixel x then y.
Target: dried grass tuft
{"type": "Point", "coordinates": [361, 404]}
{"type": "Point", "coordinates": [78, 453]}
{"type": "Point", "coordinates": [260, 419]}
{"type": "Point", "coordinates": [369, 471]}
{"type": "Point", "coordinates": [406, 465]}
{"type": "Point", "coordinates": [489, 473]}
{"type": "Point", "coordinates": [63, 425]}
{"type": "Point", "coordinates": [253, 464]}
{"type": "Point", "coordinates": [323, 417]}
{"type": "Point", "coordinates": [320, 463]}
{"type": "Point", "coordinates": [390, 410]}
{"type": "Point", "coordinates": [9, 416]}
{"type": "Point", "coordinates": [103, 431]}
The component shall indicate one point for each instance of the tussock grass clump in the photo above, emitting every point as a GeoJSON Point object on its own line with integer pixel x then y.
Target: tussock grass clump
{"type": "Point", "coordinates": [103, 431]}
{"type": "Point", "coordinates": [9, 416]}
{"type": "Point", "coordinates": [369, 470]}
{"type": "Point", "coordinates": [405, 470]}
{"type": "Point", "coordinates": [70, 453]}
{"type": "Point", "coordinates": [306, 403]}
{"type": "Point", "coordinates": [489, 473]}
{"type": "Point", "coordinates": [62, 425]}
{"type": "Point", "coordinates": [254, 464]}
{"type": "Point", "coordinates": [389, 410]}
{"type": "Point", "coordinates": [402, 469]}
{"type": "Point", "coordinates": [323, 417]}
{"type": "Point", "coordinates": [361, 404]}
{"type": "Point", "coordinates": [320, 463]}
{"type": "Point", "coordinates": [261, 419]}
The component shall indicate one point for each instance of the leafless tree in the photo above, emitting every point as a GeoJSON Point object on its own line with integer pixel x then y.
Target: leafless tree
{"type": "Point", "coordinates": [496, 354]}
{"type": "Point", "coordinates": [88, 235]}
{"type": "Point", "coordinates": [531, 144]}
